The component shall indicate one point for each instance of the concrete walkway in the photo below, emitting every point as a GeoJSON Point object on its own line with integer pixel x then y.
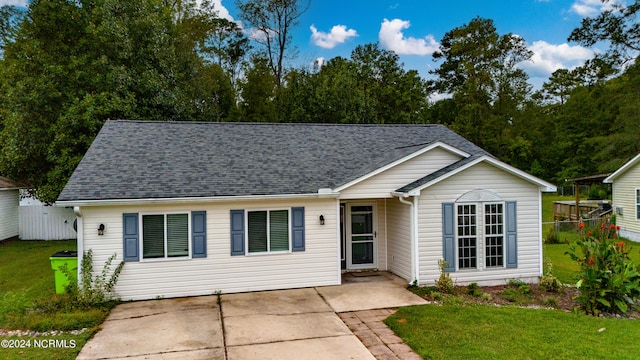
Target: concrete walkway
{"type": "Point", "coordinates": [282, 324]}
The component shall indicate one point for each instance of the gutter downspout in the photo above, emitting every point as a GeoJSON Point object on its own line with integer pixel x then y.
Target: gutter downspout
{"type": "Point", "coordinates": [414, 235]}
{"type": "Point", "coordinates": [79, 241]}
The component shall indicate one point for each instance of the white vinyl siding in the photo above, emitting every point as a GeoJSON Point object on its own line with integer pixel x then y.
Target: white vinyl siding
{"type": "Point", "coordinates": [9, 210]}
{"type": "Point", "coordinates": [399, 238]}
{"type": "Point", "coordinates": [382, 184]}
{"type": "Point", "coordinates": [509, 188]}
{"type": "Point", "coordinates": [625, 196]}
{"type": "Point", "coordinates": [318, 265]}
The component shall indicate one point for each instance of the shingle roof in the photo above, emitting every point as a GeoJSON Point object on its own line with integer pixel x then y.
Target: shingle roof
{"type": "Point", "coordinates": [6, 183]}
{"type": "Point", "coordinates": [151, 159]}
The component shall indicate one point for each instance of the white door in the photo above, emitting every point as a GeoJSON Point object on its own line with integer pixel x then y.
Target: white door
{"type": "Point", "coordinates": [361, 236]}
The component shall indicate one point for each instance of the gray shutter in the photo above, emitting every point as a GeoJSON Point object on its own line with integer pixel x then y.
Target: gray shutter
{"type": "Point", "coordinates": [448, 236]}
{"type": "Point", "coordinates": [130, 230]}
{"type": "Point", "coordinates": [237, 232]}
{"type": "Point", "coordinates": [512, 235]}
{"type": "Point", "coordinates": [297, 228]}
{"type": "Point", "coordinates": [199, 234]}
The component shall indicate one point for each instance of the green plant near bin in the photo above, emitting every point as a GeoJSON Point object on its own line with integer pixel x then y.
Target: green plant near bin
{"type": "Point", "coordinates": [93, 290]}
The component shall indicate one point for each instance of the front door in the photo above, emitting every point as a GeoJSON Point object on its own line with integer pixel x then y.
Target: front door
{"type": "Point", "coordinates": [361, 236]}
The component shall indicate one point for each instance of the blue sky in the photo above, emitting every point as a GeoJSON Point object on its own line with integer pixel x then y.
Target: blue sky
{"type": "Point", "coordinates": [413, 28]}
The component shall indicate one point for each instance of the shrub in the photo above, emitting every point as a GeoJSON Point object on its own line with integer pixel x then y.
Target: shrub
{"type": "Point", "coordinates": [548, 282]}
{"type": "Point", "coordinates": [552, 237]}
{"type": "Point", "coordinates": [444, 282]}
{"type": "Point", "coordinates": [474, 290]}
{"type": "Point", "coordinates": [511, 295]}
{"type": "Point", "coordinates": [551, 302]}
{"type": "Point", "coordinates": [609, 280]}
{"type": "Point", "coordinates": [94, 290]}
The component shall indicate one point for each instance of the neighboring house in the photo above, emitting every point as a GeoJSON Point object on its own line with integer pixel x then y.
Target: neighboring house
{"type": "Point", "coordinates": [626, 198]}
{"type": "Point", "coordinates": [195, 208]}
{"type": "Point", "coordinates": [9, 202]}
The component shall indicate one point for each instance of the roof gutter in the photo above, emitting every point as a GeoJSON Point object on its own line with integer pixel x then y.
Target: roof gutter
{"type": "Point", "coordinates": [193, 200]}
{"type": "Point", "coordinates": [415, 264]}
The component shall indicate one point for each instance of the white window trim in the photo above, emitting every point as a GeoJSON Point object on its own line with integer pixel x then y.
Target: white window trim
{"type": "Point", "coordinates": [246, 232]}
{"type": "Point", "coordinates": [481, 237]}
{"type": "Point", "coordinates": [635, 201]}
{"type": "Point", "coordinates": [165, 258]}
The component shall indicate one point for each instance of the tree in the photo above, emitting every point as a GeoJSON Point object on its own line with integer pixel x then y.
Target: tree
{"type": "Point", "coordinates": [10, 17]}
{"type": "Point", "coordinates": [618, 26]}
{"type": "Point", "coordinates": [479, 71]}
{"type": "Point", "coordinates": [74, 64]}
{"type": "Point", "coordinates": [258, 92]}
{"type": "Point", "coordinates": [274, 20]}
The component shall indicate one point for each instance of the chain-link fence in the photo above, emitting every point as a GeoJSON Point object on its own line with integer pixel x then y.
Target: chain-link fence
{"type": "Point", "coordinates": [571, 225]}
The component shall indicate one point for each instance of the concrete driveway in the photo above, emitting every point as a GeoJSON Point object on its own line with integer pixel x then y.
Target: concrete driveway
{"type": "Point", "coordinates": [282, 324]}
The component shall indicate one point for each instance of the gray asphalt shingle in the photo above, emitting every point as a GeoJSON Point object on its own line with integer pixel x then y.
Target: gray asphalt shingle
{"type": "Point", "coordinates": [154, 159]}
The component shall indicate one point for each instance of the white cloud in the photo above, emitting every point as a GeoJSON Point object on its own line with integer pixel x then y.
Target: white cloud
{"type": "Point", "coordinates": [22, 3]}
{"type": "Point", "coordinates": [222, 11]}
{"type": "Point", "coordinates": [589, 8]}
{"type": "Point", "coordinates": [392, 38]}
{"type": "Point", "coordinates": [548, 58]}
{"type": "Point", "coordinates": [337, 35]}
{"type": "Point", "coordinates": [319, 62]}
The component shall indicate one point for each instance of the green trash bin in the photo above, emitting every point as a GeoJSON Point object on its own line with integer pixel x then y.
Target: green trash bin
{"type": "Point", "coordinates": [59, 260]}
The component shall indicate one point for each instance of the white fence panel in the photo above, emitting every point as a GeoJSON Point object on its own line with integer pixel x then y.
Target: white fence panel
{"type": "Point", "coordinates": [39, 222]}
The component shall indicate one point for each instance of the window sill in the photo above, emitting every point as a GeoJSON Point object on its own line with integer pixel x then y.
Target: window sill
{"type": "Point", "coordinates": [169, 259]}
{"type": "Point", "coordinates": [268, 253]}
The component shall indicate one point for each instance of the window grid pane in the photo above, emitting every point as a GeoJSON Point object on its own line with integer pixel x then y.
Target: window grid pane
{"type": "Point", "coordinates": [279, 230]}
{"type": "Point", "coordinates": [257, 231]}
{"type": "Point", "coordinates": [177, 235]}
{"type": "Point", "coordinates": [494, 234]}
{"type": "Point", "coordinates": [152, 236]}
{"type": "Point", "coordinates": [467, 231]}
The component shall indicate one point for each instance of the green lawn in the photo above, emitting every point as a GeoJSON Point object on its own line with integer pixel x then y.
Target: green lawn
{"type": "Point", "coordinates": [488, 332]}
{"type": "Point", "coordinates": [450, 331]}
{"type": "Point", "coordinates": [27, 280]}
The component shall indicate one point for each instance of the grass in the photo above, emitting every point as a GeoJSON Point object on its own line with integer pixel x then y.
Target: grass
{"type": "Point", "coordinates": [488, 332]}
{"type": "Point", "coordinates": [455, 331]}
{"type": "Point", "coordinates": [27, 284]}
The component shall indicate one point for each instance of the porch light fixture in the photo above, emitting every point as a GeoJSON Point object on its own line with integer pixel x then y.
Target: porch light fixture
{"type": "Point", "coordinates": [101, 229]}
{"type": "Point", "coordinates": [321, 219]}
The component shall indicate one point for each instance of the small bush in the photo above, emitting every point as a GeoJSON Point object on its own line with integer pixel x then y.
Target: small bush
{"type": "Point", "coordinates": [474, 290]}
{"type": "Point", "coordinates": [552, 237]}
{"type": "Point", "coordinates": [551, 302]}
{"type": "Point", "coordinates": [511, 295]}
{"type": "Point", "coordinates": [444, 282]}
{"type": "Point", "coordinates": [486, 296]}
{"type": "Point", "coordinates": [94, 290]}
{"type": "Point", "coordinates": [516, 282]}
{"type": "Point", "coordinates": [548, 282]}
{"type": "Point", "coordinates": [524, 289]}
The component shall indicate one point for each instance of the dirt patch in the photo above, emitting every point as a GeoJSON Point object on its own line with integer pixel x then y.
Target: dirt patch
{"type": "Point", "coordinates": [513, 294]}
{"type": "Point", "coordinates": [525, 295]}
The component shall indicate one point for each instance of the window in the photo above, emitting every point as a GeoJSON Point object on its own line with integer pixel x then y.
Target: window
{"type": "Point", "coordinates": [471, 241]}
{"type": "Point", "coordinates": [467, 237]}
{"type": "Point", "coordinates": [267, 231]}
{"type": "Point", "coordinates": [637, 204]}
{"type": "Point", "coordinates": [494, 235]}
{"type": "Point", "coordinates": [165, 236]}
